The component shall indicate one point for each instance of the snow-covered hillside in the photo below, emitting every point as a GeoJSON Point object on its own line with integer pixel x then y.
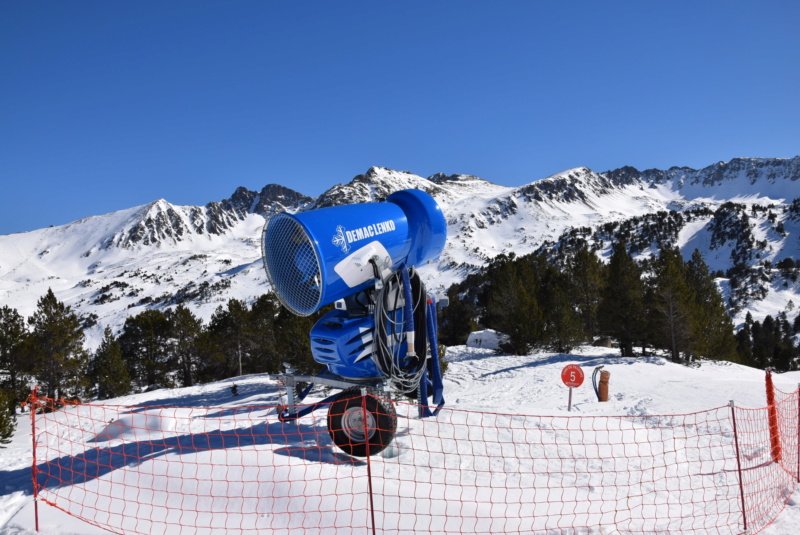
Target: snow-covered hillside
{"type": "Point", "coordinates": [476, 380]}
{"type": "Point", "coordinates": [158, 255]}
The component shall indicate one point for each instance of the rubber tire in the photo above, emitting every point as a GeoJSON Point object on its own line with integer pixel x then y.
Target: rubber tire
{"type": "Point", "coordinates": [346, 422]}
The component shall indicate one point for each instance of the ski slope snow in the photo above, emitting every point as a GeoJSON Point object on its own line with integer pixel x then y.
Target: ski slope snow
{"type": "Point", "coordinates": [476, 380]}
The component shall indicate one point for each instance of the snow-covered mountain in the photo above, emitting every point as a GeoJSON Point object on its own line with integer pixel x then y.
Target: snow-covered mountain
{"type": "Point", "coordinates": [743, 213]}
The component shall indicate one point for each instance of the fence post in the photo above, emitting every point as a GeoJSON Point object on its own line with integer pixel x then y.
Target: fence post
{"type": "Point", "coordinates": [369, 465]}
{"type": "Point", "coordinates": [772, 414]}
{"type": "Point", "coordinates": [798, 432]}
{"type": "Point", "coordinates": [33, 404]}
{"type": "Point", "coordinates": [739, 465]}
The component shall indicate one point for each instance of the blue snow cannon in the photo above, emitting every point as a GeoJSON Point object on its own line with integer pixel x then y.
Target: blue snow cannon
{"type": "Point", "coordinates": [381, 335]}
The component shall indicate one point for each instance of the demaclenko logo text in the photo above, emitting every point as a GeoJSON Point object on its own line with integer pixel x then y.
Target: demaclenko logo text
{"type": "Point", "coordinates": [369, 231]}
{"type": "Point", "coordinates": [343, 237]}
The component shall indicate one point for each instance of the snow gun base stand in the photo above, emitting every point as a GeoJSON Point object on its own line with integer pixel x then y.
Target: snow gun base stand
{"type": "Point", "coordinates": [363, 337]}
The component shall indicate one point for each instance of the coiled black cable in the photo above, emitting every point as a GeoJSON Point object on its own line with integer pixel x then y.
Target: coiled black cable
{"type": "Point", "coordinates": [390, 336]}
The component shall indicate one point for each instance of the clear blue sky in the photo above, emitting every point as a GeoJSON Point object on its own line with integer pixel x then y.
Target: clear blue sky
{"type": "Point", "coordinates": [108, 105]}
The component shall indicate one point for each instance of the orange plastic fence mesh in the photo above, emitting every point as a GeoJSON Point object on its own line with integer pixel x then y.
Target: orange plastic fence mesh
{"type": "Point", "coordinates": [170, 470]}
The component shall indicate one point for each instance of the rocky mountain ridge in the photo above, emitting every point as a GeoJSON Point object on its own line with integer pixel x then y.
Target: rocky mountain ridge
{"type": "Point", "coordinates": [739, 213]}
{"type": "Point", "coordinates": [753, 169]}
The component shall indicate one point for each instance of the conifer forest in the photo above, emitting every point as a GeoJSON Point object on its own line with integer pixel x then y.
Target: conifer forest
{"type": "Point", "coordinates": [662, 305]}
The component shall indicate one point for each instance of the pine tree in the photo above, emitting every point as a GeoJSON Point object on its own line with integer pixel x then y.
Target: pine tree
{"type": "Point", "coordinates": [145, 348]}
{"type": "Point", "coordinates": [210, 360]}
{"type": "Point", "coordinates": [621, 311]}
{"type": "Point", "coordinates": [763, 342]}
{"type": "Point", "coordinates": [457, 319]}
{"type": "Point", "coordinates": [563, 328]}
{"type": "Point", "coordinates": [512, 307]}
{"type": "Point", "coordinates": [261, 335]}
{"type": "Point", "coordinates": [228, 332]}
{"type": "Point", "coordinates": [8, 420]}
{"type": "Point", "coordinates": [672, 303]}
{"type": "Point", "coordinates": [744, 342]}
{"type": "Point", "coordinates": [108, 371]}
{"type": "Point", "coordinates": [184, 332]}
{"type": "Point", "coordinates": [711, 326]}
{"type": "Point", "coordinates": [785, 354]}
{"type": "Point", "coordinates": [292, 339]}
{"type": "Point", "coordinates": [586, 273]}
{"type": "Point", "coordinates": [12, 358]}
{"type": "Point", "coordinates": [55, 348]}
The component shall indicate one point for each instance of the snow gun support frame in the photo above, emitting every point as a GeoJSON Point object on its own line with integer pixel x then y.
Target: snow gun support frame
{"type": "Point", "coordinates": [430, 384]}
{"type": "Point", "coordinates": [361, 421]}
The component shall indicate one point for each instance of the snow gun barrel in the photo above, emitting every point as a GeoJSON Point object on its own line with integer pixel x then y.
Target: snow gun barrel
{"type": "Point", "coordinates": [317, 257]}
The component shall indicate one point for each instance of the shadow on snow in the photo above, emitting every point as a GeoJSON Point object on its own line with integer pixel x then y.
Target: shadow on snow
{"type": "Point", "coordinates": [300, 441]}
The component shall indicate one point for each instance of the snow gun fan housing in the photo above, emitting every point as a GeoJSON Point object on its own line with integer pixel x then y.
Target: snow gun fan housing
{"type": "Point", "coordinates": [318, 257]}
{"type": "Point", "coordinates": [361, 256]}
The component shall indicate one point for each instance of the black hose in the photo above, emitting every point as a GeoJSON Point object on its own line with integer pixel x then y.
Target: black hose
{"type": "Point", "coordinates": [594, 381]}
{"type": "Point", "coordinates": [390, 336]}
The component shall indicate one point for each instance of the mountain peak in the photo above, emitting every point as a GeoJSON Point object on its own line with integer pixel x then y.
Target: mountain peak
{"type": "Point", "coordinates": [441, 178]}
{"type": "Point", "coordinates": [274, 197]}
{"type": "Point", "coordinates": [374, 185]}
{"type": "Point", "coordinates": [376, 171]}
{"type": "Point", "coordinates": [573, 185]}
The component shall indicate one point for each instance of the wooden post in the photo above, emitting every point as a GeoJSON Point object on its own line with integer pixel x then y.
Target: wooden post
{"type": "Point", "coordinates": [739, 466]}
{"type": "Point", "coordinates": [602, 388]}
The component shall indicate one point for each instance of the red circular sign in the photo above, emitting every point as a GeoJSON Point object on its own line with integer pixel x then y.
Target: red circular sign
{"type": "Point", "coordinates": [572, 375]}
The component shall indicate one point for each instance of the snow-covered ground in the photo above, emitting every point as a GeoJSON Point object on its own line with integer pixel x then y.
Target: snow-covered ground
{"type": "Point", "coordinates": [476, 380]}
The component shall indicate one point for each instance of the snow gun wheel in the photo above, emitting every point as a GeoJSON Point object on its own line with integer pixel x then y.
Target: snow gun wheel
{"type": "Point", "coordinates": [351, 433]}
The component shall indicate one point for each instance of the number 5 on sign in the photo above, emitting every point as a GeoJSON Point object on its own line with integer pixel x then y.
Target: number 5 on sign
{"type": "Point", "coordinates": [572, 376]}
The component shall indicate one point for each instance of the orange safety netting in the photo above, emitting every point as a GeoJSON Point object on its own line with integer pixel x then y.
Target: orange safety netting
{"type": "Point", "coordinates": [171, 470]}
